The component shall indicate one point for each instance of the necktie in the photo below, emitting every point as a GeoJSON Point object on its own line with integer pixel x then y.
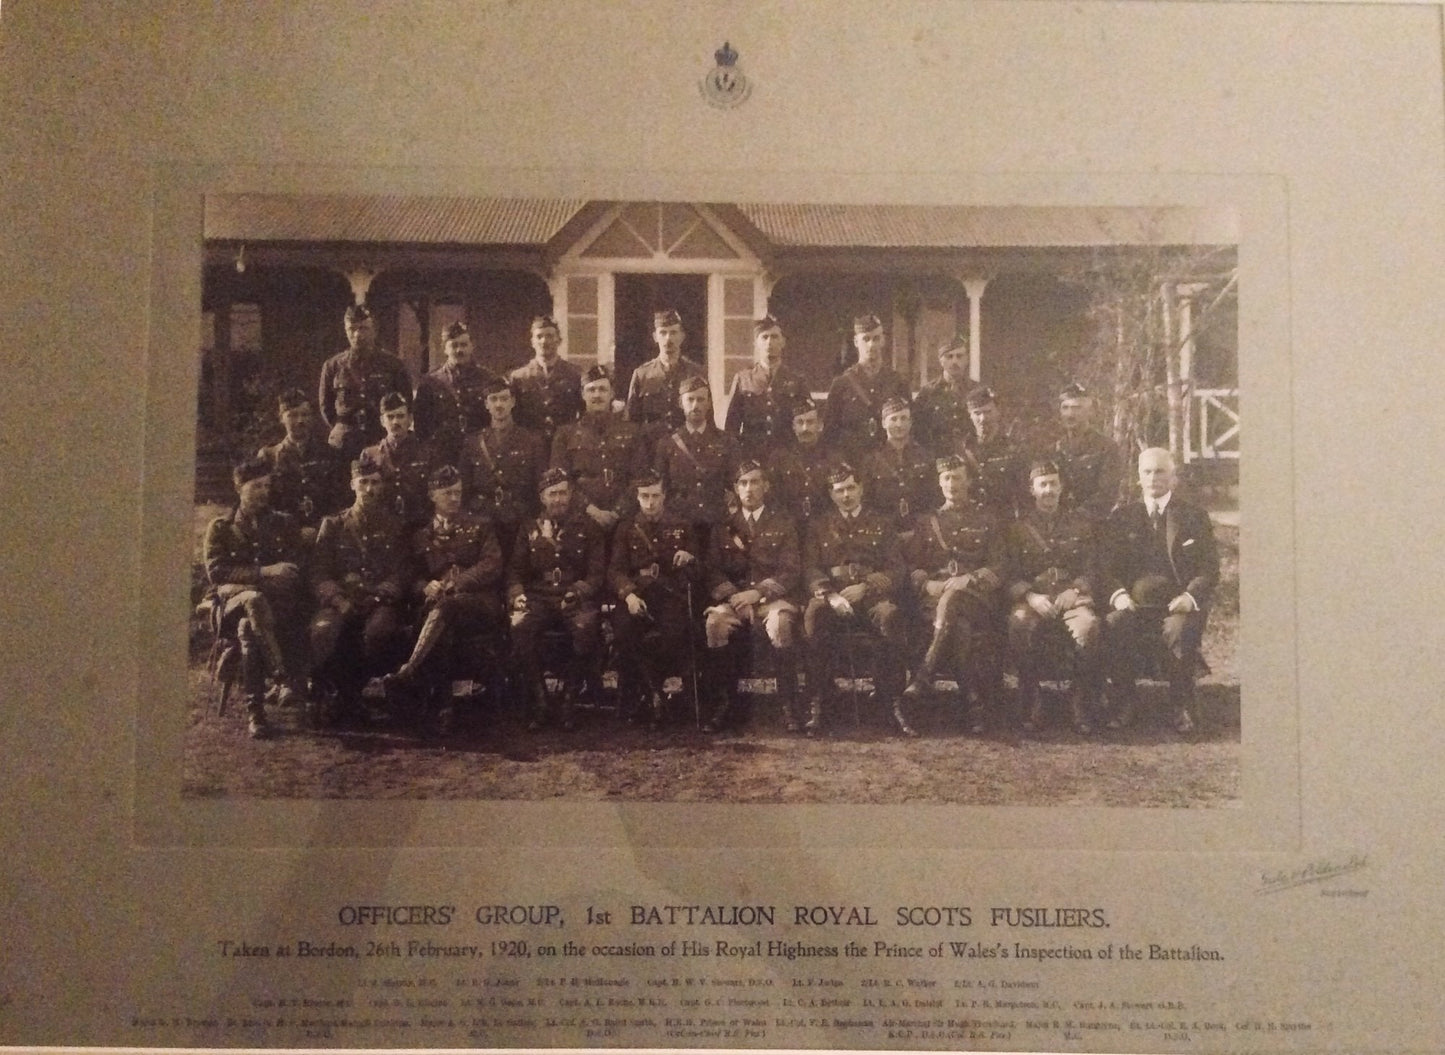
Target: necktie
{"type": "Point", "coordinates": [1156, 519]}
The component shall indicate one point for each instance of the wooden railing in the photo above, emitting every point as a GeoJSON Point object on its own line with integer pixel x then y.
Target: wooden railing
{"type": "Point", "coordinates": [1211, 421]}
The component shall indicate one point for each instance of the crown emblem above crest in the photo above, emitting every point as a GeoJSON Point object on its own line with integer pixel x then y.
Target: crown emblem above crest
{"type": "Point", "coordinates": [725, 86]}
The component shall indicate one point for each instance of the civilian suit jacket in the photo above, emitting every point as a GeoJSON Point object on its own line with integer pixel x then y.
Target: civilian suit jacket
{"type": "Point", "coordinates": [1188, 536]}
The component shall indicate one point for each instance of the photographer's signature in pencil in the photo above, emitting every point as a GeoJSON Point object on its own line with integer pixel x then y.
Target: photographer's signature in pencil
{"type": "Point", "coordinates": [1318, 871]}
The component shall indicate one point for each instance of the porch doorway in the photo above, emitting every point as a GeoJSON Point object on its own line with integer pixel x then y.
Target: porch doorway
{"type": "Point", "coordinates": [637, 297]}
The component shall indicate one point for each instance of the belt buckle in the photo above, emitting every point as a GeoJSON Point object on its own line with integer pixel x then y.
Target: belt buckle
{"type": "Point", "coordinates": [807, 506]}
{"type": "Point", "coordinates": [607, 478]}
{"type": "Point", "coordinates": [554, 577]}
{"type": "Point", "coordinates": [500, 495]}
{"type": "Point", "coordinates": [903, 507]}
{"type": "Point", "coordinates": [853, 567]}
{"type": "Point", "coordinates": [953, 567]}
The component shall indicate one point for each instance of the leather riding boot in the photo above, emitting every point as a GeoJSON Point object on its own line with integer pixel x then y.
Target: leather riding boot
{"type": "Point", "coordinates": [814, 724]}
{"type": "Point", "coordinates": [923, 677]}
{"type": "Point", "coordinates": [256, 725]}
{"type": "Point", "coordinates": [1031, 703]}
{"type": "Point", "coordinates": [787, 673]}
{"type": "Point", "coordinates": [1079, 708]}
{"type": "Point", "coordinates": [900, 720]}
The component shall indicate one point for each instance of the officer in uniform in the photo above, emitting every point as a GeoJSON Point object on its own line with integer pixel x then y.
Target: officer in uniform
{"type": "Point", "coordinates": [308, 475]}
{"type": "Point", "coordinates": [405, 461]}
{"type": "Point", "coordinates": [253, 558]}
{"type": "Point", "coordinates": [458, 583]}
{"type": "Point", "coordinates": [602, 452]}
{"type": "Point", "coordinates": [997, 465]}
{"type": "Point", "coordinates": [1052, 557]}
{"type": "Point", "coordinates": [501, 465]}
{"type": "Point", "coordinates": [763, 396]}
{"type": "Point", "coordinates": [857, 395]}
{"type": "Point", "coordinates": [652, 571]}
{"type": "Point", "coordinates": [799, 472]}
{"type": "Point", "coordinates": [940, 410]}
{"type": "Point", "coordinates": [854, 568]}
{"type": "Point", "coordinates": [652, 393]}
{"type": "Point", "coordinates": [451, 401]}
{"type": "Point", "coordinates": [754, 568]}
{"type": "Point", "coordinates": [548, 387]}
{"type": "Point", "coordinates": [360, 573]}
{"type": "Point", "coordinates": [899, 477]}
{"type": "Point", "coordinates": [554, 579]}
{"type": "Point", "coordinates": [697, 461]}
{"type": "Point", "coordinates": [353, 383]}
{"type": "Point", "coordinates": [957, 562]}
{"type": "Point", "coordinates": [1160, 570]}
{"type": "Point", "coordinates": [1089, 462]}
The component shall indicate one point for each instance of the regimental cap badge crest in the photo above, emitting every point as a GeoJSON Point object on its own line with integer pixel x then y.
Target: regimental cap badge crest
{"type": "Point", "coordinates": [725, 86]}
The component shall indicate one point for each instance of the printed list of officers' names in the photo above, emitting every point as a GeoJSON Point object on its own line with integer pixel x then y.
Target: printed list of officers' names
{"type": "Point", "coordinates": [905, 976]}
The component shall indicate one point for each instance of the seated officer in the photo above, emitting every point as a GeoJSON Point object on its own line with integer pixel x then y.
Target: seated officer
{"type": "Point", "coordinates": [405, 461]}
{"type": "Point", "coordinates": [554, 579]}
{"type": "Point", "coordinates": [957, 561]}
{"type": "Point", "coordinates": [696, 461]}
{"type": "Point", "coordinates": [654, 564]}
{"type": "Point", "coordinates": [997, 465]}
{"type": "Point", "coordinates": [459, 577]}
{"type": "Point", "coordinates": [1089, 462]}
{"type": "Point", "coordinates": [451, 401]}
{"type": "Point", "coordinates": [308, 475]}
{"type": "Point", "coordinates": [853, 570]}
{"type": "Point", "coordinates": [253, 560]}
{"type": "Point", "coordinates": [899, 477]}
{"type": "Point", "coordinates": [501, 465]}
{"type": "Point", "coordinates": [602, 453]}
{"type": "Point", "coordinates": [360, 573]}
{"type": "Point", "coordinates": [1160, 569]}
{"type": "Point", "coordinates": [753, 570]}
{"type": "Point", "coordinates": [1052, 559]}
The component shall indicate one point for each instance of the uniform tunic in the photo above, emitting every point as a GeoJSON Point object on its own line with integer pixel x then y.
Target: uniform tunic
{"type": "Point", "coordinates": [602, 453]}
{"type": "Point", "coordinates": [451, 402]}
{"type": "Point", "coordinates": [643, 555]}
{"type": "Point", "coordinates": [941, 421]}
{"type": "Point", "coordinates": [352, 387]}
{"type": "Point", "coordinates": [697, 471]}
{"type": "Point", "coordinates": [548, 397]}
{"type": "Point", "coordinates": [900, 482]}
{"type": "Point", "coordinates": [998, 472]}
{"type": "Point", "coordinates": [407, 463]}
{"type": "Point", "coordinates": [845, 551]}
{"type": "Point", "coordinates": [855, 399]}
{"type": "Point", "coordinates": [500, 469]}
{"type": "Point", "coordinates": [760, 408]}
{"type": "Point", "coordinates": [652, 395]}
{"type": "Point", "coordinates": [1051, 554]}
{"type": "Point", "coordinates": [799, 475]}
{"type": "Point", "coordinates": [308, 481]}
{"type": "Point", "coordinates": [1092, 471]}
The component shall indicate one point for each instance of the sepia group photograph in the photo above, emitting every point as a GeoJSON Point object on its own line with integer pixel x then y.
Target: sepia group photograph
{"type": "Point", "coordinates": [715, 501]}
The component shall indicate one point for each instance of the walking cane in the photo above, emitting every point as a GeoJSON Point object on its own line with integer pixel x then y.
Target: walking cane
{"type": "Point", "coordinates": [692, 657]}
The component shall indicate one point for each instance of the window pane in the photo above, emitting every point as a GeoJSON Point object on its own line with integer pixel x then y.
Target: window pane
{"type": "Point", "coordinates": [246, 327]}
{"type": "Point", "coordinates": [738, 297]}
{"type": "Point", "coordinates": [581, 338]}
{"type": "Point", "coordinates": [582, 295]}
